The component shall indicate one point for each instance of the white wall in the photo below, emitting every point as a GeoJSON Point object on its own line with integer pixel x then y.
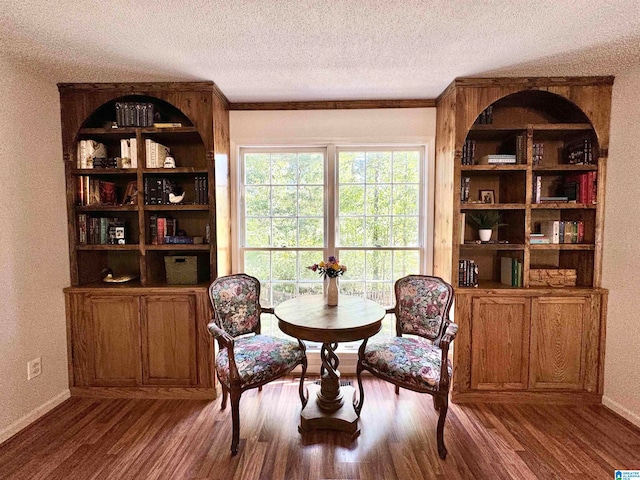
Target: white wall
{"type": "Point", "coordinates": [621, 259]}
{"type": "Point", "coordinates": [33, 248]}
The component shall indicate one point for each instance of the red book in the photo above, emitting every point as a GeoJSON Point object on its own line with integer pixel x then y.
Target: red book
{"type": "Point", "coordinates": [161, 229]}
{"type": "Point", "coordinates": [593, 187]}
{"type": "Point", "coordinates": [583, 193]}
{"type": "Point", "coordinates": [580, 231]}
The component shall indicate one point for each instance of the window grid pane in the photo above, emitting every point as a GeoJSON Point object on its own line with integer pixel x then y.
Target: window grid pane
{"type": "Point", "coordinates": [378, 198]}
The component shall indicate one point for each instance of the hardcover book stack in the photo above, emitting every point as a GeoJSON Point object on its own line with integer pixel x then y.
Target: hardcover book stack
{"type": "Point", "coordinates": [582, 187]}
{"type": "Point", "coordinates": [101, 230]}
{"type": "Point", "coordinates": [164, 230]}
{"type": "Point", "coordinates": [579, 152]}
{"type": "Point", "coordinates": [486, 117]}
{"type": "Point", "coordinates": [129, 153]}
{"type": "Point", "coordinates": [511, 272]}
{"type": "Point", "coordinates": [92, 154]}
{"type": "Point", "coordinates": [91, 191]}
{"type": "Point", "coordinates": [157, 189]}
{"type": "Point", "coordinates": [563, 231]}
{"type": "Point", "coordinates": [538, 153]}
{"type": "Point", "coordinates": [465, 187]}
{"type": "Point", "coordinates": [467, 273]}
{"type": "Point", "coordinates": [499, 159]}
{"type": "Point", "coordinates": [134, 114]}
{"type": "Point", "coordinates": [202, 190]}
{"type": "Point", "coordinates": [468, 152]}
{"type": "Point", "coordinates": [155, 153]}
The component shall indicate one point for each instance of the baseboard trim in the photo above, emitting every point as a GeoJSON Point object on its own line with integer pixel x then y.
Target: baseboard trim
{"type": "Point", "coordinates": [33, 415]}
{"type": "Point", "coordinates": [560, 398]}
{"type": "Point", "coordinates": [624, 412]}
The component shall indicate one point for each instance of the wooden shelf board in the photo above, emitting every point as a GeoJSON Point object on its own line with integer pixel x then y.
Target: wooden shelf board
{"type": "Point", "coordinates": [157, 208]}
{"type": "Point", "coordinates": [105, 171]}
{"type": "Point", "coordinates": [202, 247]}
{"type": "Point", "coordinates": [563, 206]}
{"type": "Point", "coordinates": [492, 246]}
{"type": "Point", "coordinates": [492, 206]}
{"type": "Point", "coordinates": [116, 132]}
{"type": "Point", "coordinates": [564, 168]}
{"type": "Point", "coordinates": [492, 168]}
{"type": "Point", "coordinates": [107, 208]}
{"type": "Point", "coordinates": [563, 246]}
{"type": "Point", "coordinates": [129, 246]}
{"type": "Point", "coordinates": [120, 131]}
{"type": "Point", "coordinates": [174, 171]}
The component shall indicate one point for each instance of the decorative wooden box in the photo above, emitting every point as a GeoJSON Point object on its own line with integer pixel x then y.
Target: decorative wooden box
{"type": "Point", "coordinates": [552, 277]}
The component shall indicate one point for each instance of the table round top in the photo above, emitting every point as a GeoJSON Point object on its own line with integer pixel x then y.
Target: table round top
{"type": "Point", "coordinates": [308, 317]}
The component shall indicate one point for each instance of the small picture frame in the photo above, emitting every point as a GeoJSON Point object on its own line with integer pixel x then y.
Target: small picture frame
{"type": "Point", "coordinates": [130, 193]}
{"type": "Point", "coordinates": [487, 196]}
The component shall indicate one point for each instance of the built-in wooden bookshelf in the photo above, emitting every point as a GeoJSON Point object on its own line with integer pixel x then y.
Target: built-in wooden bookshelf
{"type": "Point", "coordinates": [555, 133]}
{"type": "Point", "coordinates": [146, 336]}
{"type": "Point", "coordinates": [89, 113]}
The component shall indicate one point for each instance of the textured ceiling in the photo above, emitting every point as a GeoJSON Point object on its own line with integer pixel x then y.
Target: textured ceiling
{"type": "Point", "coordinates": [271, 50]}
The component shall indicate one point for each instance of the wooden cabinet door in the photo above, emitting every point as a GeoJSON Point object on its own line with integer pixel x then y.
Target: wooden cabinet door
{"type": "Point", "coordinates": [500, 343]}
{"type": "Point", "coordinates": [559, 329]}
{"type": "Point", "coordinates": [169, 340]}
{"type": "Point", "coordinates": [107, 342]}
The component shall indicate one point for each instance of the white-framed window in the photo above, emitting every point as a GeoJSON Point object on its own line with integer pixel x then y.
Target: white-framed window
{"type": "Point", "coordinates": [297, 206]}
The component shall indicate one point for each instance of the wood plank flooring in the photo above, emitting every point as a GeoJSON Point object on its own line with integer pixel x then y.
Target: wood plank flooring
{"type": "Point", "coordinates": [190, 439]}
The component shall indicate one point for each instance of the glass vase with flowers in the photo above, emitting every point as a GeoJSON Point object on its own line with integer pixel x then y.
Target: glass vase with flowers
{"type": "Point", "coordinates": [331, 269]}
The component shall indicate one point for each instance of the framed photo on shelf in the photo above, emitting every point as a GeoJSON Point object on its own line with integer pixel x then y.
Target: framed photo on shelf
{"type": "Point", "coordinates": [487, 196]}
{"type": "Point", "coordinates": [130, 193]}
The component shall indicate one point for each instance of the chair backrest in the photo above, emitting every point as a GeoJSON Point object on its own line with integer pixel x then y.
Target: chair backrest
{"type": "Point", "coordinates": [236, 303]}
{"type": "Point", "coordinates": [422, 305]}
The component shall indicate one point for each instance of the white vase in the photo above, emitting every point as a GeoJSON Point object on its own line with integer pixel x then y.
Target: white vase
{"type": "Point", "coordinates": [332, 291]}
{"type": "Point", "coordinates": [485, 234]}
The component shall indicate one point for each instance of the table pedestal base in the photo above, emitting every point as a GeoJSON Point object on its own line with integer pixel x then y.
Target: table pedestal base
{"type": "Point", "coordinates": [313, 418]}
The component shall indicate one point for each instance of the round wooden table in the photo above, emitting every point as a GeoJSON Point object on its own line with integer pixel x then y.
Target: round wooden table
{"type": "Point", "coordinates": [310, 318]}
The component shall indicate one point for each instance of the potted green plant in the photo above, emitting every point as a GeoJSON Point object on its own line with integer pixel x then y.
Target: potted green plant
{"type": "Point", "coordinates": [485, 221]}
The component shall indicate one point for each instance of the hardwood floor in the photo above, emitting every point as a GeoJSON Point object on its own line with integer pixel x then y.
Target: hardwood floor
{"type": "Point", "coordinates": [184, 439]}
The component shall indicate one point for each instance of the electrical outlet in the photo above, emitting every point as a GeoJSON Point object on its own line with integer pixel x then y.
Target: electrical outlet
{"type": "Point", "coordinates": [34, 368]}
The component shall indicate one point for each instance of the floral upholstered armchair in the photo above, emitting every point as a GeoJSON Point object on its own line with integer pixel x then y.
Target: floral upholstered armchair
{"type": "Point", "coordinates": [420, 362]}
{"type": "Point", "coordinates": [247, 361]}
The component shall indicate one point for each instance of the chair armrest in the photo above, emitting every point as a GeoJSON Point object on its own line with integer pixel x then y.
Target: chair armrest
{"type": "Point", "coordinates": [267, 310]}
{"type": "Point", "coordinates": [227, 341]}
{"type": "Point", "coordinates": [447, 337]}
{"type": "Point", "coordinates": [449, 334]}
{"type": "Point", "coordinates": [219, 334]}
{"type": "Point", "coordinates": [390, 310]}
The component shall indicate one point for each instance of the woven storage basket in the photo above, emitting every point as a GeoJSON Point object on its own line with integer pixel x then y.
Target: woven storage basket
{"type": "Point", "coordinates": [181, 270]}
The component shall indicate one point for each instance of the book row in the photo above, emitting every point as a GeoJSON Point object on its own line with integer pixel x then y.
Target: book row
{"type": "Point", "coordinates": [579, 188]}
{"type": "Point", "coordinates": [560, 231]}
{"type": "Point", "coordinates": [579, 152]}
{"type": "Point", "coordinates": [134, 114]}
{"type": "Point", "coordinates": [467, 273]}
{"type": "Point", "coordinates": [486, 117]}
{"type": "Point", "coordinates": [101, 230]}
{"type": "Point", "coordinates": [91, 191]}
{"type": "Point", "coordinates": [156, 154]}
{"type": "Point", "coordinates": [164, 231]}
{"type": "Point", "coordinates": [93, 154]}
{"type": "Point", "coordinates": [511, 272]}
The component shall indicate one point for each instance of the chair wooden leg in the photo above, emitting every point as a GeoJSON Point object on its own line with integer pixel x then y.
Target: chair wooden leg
{"type": "Point", "coordinates": [303, 398]}
{"type": "Point", "coordinates": [235, 419]}
{"type": "Point", "coordinates": [443, 402]}
{"type": "Point", "coordinates": [260, 388]}
{"type": "Point", "coordinates": [225, 395]}
{"type": "Point", "coordinates": [397, 390]}
{"type": "Point", "coordinates": [435, 403]}
{"type": "Point", "coordinates": [357, 406]}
